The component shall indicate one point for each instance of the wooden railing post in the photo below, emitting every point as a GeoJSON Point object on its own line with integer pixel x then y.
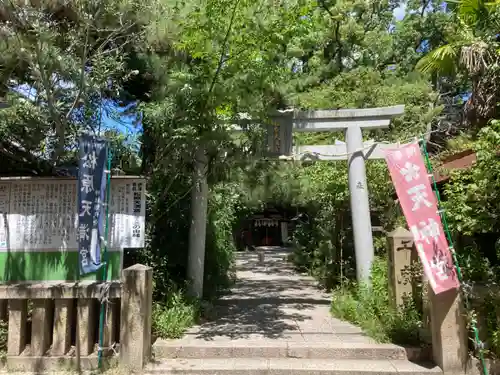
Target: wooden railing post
{"type": "Point", "coordinates": [56, 306]}
{"type": "Point", "coordinates": [3, 309]}
{"type": "Point", "coordinates": [135, 321]}
{"type": "Point", "coordinates": [112, 310]}
{"type": "Point", "coordinates": [63, 312]}
{"type": "Point", "coordinates": [18, 316]}
{"type": "Point", "coordinates": [41, 326]}
{"type": "Point", "coordinates": [86, 323]}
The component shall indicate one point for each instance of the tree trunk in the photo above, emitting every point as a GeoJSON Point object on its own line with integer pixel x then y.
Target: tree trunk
{"type": "Point", "coordinates": [198, 229]}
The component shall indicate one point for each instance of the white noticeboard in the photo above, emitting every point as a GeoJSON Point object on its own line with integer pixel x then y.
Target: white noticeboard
{"type": "Point", "coordinates": [41, 214]}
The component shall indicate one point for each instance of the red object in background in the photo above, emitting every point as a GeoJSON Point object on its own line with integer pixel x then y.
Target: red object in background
{"type": "Point", "coordinates": [248, 237]}
{"type": "Point", "coordinates": [461, 160]}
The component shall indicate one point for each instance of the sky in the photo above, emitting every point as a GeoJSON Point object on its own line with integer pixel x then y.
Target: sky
{"type": "Point", "coordinates": [399, 12]}
{"type": "Point", "coordinates": [125, 124]}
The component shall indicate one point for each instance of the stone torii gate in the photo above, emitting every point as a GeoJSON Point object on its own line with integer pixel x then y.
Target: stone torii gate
{"type": "Point", "coordinates": [352, 122]}
{"type": "Point", "coordinates": [279, 136]}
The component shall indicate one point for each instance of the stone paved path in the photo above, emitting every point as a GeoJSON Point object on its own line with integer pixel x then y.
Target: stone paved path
{"type": "Point", "coordinates": [271, 302]}
{"type": "Point", "coordinates": [277, 322]}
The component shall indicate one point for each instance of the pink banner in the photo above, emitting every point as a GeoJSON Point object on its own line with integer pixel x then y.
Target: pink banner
{"type": "Point", "coordinates": [419, 205]}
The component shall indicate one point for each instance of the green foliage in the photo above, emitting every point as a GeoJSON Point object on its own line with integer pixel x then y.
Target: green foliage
{"type": "Point", "coordinates": [223, 58]}
{"type": "Point", "coordinates": [172, 318]}
{"type": "Point", "coordinates": [367, 87]}
{"type": "Point", "coordinates": [168, 225]}
{"type": "Point", "coordinates": [324, 245]}
{"type": "Point", "coordinates": [357, 64]}
{"type": "Point", "coordinates": [485, 312]}
{"type": "Point", "coordinates": [473, 211]}
{"type": "Point", "coordinates": [68, 58]}
{"type": "Point", "coordinates": [173, 312]}
{"type": "Point", "coordinates": [371, 308]}
{"type": "Point", "coordinates": [476, 268]}
{"type": "Point", "coordinates": [4, 330]}
{"type": "Point", "coordinates": [187, 65]}
{"type": "Point", "coordinates": [219, 258]}
{"type": "Point", "coordinates": [473, 194]}
{"type": "Point", "coordinates": [471, 49]}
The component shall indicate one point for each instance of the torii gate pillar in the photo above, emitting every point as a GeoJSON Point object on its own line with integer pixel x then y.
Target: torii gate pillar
{"type": "Point", "coordinates": [360, 207]}
{"type": "Point", "coordinates": [352, 121]}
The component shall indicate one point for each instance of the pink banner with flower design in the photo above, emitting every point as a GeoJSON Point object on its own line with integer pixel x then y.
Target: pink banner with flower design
{"type": "Point", "coordinates": [419, 205]}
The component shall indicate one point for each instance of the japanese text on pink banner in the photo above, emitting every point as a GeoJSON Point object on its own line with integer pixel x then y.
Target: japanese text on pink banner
{"type": "Point", "coordinates": [419, 205]}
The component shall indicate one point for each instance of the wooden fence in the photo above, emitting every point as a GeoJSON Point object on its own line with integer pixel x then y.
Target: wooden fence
{"type": "Point", "coordinates": [57, 324]}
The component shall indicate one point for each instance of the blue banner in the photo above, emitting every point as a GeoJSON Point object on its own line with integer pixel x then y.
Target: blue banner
{"type": "Point", "coordinates": [92, 159]}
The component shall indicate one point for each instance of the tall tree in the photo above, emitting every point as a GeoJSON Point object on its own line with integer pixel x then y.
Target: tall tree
{"type": "Point", "coordinates": [66, 58]}
{"type": "Point", "coordinates": [472, 49]}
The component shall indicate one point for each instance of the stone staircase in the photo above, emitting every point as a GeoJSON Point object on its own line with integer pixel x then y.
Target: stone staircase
{"type": "Point", "coordinates": [297, 358]}
{"type": "Point", "coordinates": [277, 322]}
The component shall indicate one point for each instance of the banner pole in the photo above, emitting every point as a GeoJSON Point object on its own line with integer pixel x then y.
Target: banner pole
{"type": "Point", "coordinates": [477, 342]}
{"type": "Point", "coordinates": [104, 259]}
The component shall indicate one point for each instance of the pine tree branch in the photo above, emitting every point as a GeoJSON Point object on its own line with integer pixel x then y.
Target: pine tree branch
{"type": "Point", "coordinates": [223, 49]}
{"type": "Point", "coordinates": [82, 74]}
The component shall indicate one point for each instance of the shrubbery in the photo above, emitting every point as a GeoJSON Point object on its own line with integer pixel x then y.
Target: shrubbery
{"type": "Point", "coordinates": [371, 309]}
{"type": "Point", "coordinates": [4, 329]}
{"type": "Point", "coordinates": [173, 317]}
{"type": "Point", "coordinates": [167, 254]}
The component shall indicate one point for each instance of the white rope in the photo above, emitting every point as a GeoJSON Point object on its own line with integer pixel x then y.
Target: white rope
{"type": "Point", "coordinates": [103, 292]}
{"type": "Point", "coordinates": [112, 347]}
{"type": "Point", "coordinates": [371, 145]}
{"type": "Point", "coordinates": [313, 153]}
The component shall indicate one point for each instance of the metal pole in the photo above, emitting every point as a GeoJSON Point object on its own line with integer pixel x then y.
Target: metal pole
{"type": "Point", "coordinates": [360, 208]}
{"type": "Point", "coordinates": [198, 229]}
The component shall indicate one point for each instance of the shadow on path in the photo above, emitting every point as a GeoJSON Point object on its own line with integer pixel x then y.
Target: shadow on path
{"type": "Point", "coordinates": [270, 301]}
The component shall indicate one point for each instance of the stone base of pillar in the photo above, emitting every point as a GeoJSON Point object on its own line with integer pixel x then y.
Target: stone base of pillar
{"type": "Point", "coordinates": [449, 332]}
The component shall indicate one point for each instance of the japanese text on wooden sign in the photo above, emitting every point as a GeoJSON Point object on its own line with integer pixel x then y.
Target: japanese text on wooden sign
{"type": "Point", "coordinates": [41, 214]}
{"type": "Point", "coordinates": [419, 205]}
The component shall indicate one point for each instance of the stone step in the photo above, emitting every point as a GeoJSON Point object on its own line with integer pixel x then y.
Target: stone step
{"type": "Point", "coordinates": [288, 366]}
{"type": "Point", "coordinates": [165, 349]}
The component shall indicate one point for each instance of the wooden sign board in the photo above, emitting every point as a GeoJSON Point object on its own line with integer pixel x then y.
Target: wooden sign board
{"type": "Point", "coordinates": [38, 227]}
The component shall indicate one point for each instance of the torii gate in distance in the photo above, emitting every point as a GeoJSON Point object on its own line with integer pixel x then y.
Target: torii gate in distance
{"type": "Point", "coordinates": [352, 122]}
